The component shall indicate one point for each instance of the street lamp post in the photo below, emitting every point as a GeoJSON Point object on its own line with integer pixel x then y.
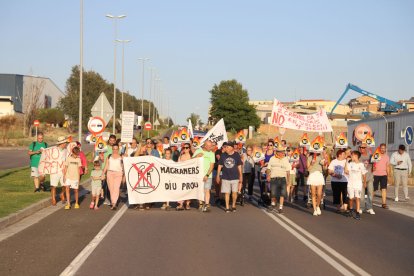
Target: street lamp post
{"type": "Point", "coordinates": [80, 73]}
{"type": "Point", "coordinates": [123, 68]}
{"type": "Point", "coordinates": [115, 17]}
{"type": "Point", "coordinates": [142, 88]}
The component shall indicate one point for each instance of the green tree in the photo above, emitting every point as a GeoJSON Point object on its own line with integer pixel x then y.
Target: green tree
{"type": "Point", "coordinates": [195, 119]}
{"type": "Point", "coordinates": [93, 85]}
{"type": "Point", "coordinates": [231, 102]}
{"type": "Point", "coordinates": [51, 116]}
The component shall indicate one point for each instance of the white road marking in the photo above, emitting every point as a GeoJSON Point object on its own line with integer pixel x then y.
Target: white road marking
{"type": "Point", "coordinates": [402, 211]}
{"type": "Point", "coordinates": [84, 254]}
{"type": "Point", "coordinates": [311, 246]}
{"type": "Point", "coordinates": [305, 236]}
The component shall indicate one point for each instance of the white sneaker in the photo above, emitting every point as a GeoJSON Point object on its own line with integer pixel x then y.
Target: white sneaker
{"type": "Point", "coordinates": [396, 199]}
{"type": "Point", "coordinates": [360, 211]}
{"type": "Point", "coordinates": [318, 211]}
{"type": "Point", "coordinates": [315, 213]}
{"type": "Point", "coordinates": [407, 198]}
{"type": "Point", "coordinates": [371, 212]}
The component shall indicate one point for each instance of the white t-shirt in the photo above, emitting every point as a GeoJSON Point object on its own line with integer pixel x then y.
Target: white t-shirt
{"type": "Point", "coordinates": [338, 167]}
{"type": "Point", "coordinates": [356, 171]}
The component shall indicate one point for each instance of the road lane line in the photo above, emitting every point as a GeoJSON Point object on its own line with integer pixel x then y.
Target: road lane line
{"type": "Point", "coordinates": [329, 249]}
{"type": "Point", "coordinates": [326, 247]}
{"type": "Point", "coordinates": [311, 246]}
{"type": "Point", "coordinates": [84, 254]}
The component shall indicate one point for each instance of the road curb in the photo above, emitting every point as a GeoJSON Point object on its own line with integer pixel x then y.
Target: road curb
{"type": "Point", "coordinates": [35, 207]}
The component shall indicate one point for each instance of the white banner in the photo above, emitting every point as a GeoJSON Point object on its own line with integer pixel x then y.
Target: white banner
{"type": "Point", "coordinates": [282, 117]}
{"type": "Point", "coordinates": [151, 179]}
{"type": "Point", "coordinates": [127, 130]}
{"type": "Point", "coordinates": [217, 134]}
{"type": "Point", "coordinates": [52, 160]}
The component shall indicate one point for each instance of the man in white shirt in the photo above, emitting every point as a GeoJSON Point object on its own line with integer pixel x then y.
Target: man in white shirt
{"type": "Point", "coordinates": [402, 169]}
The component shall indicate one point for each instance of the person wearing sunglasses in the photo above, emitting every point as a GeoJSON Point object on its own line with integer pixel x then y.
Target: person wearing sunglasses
{"type": "Point", "coordinates": [185, 155]}
{"type": "Point", "coordinates": [151, 148]}
{"type": "Point", "coordinates": [366, 160]}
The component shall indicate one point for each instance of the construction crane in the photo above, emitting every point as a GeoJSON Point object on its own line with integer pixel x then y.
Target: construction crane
{"type": "Point", "coordinates": [385, 105]}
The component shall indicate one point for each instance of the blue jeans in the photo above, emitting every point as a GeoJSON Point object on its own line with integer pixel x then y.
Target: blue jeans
{"type": "Point", "coordinates": [367, 203]}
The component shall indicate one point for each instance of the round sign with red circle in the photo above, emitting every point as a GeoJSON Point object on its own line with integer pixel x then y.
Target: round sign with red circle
{"type": "Point", "coordinates": [147, 126]}
{"type": "Point", "coordinates": [361, 131]}
{"type": "Point", "coordinates": [36, 123]}
{"type": "Point", "coordinates": [96, 125]}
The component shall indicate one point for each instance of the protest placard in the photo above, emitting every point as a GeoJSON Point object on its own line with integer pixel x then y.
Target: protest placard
{"type": "Point", "coordinates": [282, 117]}
{"type": "Point", "coordinates": [127, 130]}
{"type": "Point", "coordinates": [217, 134]}
{"type": "Point", "coordinates": [151, 179]}
{"type": "Point", "coordinates": [52, 160]}
{"type": "Point", "coordinates": [341, 141]}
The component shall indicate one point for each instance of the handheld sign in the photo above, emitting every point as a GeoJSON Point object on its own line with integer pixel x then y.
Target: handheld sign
{"type": "Point", "coordinates": [240, 137]}
{"type": "Point", "coordinates": [369, 140]}
{"type": "Point", "coordinates": [376, 157]}
{"type": "Point", "coordinates": [317, 145]}
{"type": "Point", "coordinates": [304, 141]}
{"type": "Point", "coordinates": [96, 125]}
{"type": "Point", "coordinates": [341, 141]}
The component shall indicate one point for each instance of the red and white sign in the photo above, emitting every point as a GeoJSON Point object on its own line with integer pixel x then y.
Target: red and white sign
{"type": "Point", "coordinates": [36, 123]}
{"type": "Point", "coordinates": [147, 126]}
{"type": "Point", "coordinates": [282, 117]}
{"type": "Point", "coordinates": [96, 125]}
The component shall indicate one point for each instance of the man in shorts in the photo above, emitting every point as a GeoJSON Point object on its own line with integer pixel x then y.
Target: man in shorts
{"type": "Point", "coordinates": [381, 172]}
{"type": "Point", "coordinates": [56, 178]}
{"type": "Point", "coordinates": [209, 160]}
{"type": "Point", "coordinates": [230, 164]}
{"type": "Point", "coordinates": [35, 151]}
{"type": "Point", "coordinates": [278, 172]}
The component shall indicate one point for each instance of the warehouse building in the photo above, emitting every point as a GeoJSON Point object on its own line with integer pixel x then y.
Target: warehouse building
{"type": "Point", "coordinates": [17, 91]}
{"type": "Point", "coordinates": [388, 129]}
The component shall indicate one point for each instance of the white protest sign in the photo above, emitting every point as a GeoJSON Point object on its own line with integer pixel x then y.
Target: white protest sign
{"type": "Point", "coordinates": [127, 126]}
{"type": "Point", "coordinates": [217, 134]}
{"type": "Point", "coordinates": [282, 117]}
{"type": "Point", "coordinates": [152, 179]}
{"type": "Point", "coordinates": [52, 160]}
{"type": "Point", "coordinates": [190, 129]}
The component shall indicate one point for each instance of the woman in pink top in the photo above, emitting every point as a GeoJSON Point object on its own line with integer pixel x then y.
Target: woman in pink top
{"type": "Point", "coordinates": [381, 171]}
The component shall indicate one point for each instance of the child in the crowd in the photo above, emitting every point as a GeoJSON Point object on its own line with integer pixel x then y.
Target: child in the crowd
{"type": "Point", "coordinates": [356, 182]}
{"type": "Point", "coordinates": [71, 176]}
{"type": "Point", "coordinates": [96, 177]}
{"type": "Point", "coordinates": [167, 156]}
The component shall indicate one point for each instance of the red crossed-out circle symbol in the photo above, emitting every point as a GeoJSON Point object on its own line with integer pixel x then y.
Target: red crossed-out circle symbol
{"type": "Point", "coordinates": [144, 177]}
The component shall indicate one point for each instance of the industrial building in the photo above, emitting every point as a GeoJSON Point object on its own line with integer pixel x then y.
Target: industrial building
{"type": "Point", "coordinates": [16, 92]}
{"type": "Point", "coordinates": [388, 129]}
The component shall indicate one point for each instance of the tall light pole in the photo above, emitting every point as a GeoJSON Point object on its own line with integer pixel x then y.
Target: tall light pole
{"type": "Point", "coordinates": [150, 96]}
{"type": "Point", "coordinates": [156, 97]}
{"type": "Point", "coordinates": [142, 87]}
{"type": "Point", "coordinates": [81, 73]}
{"type": "Point", "coordinates": [115, 18]}
{"type": "Point", "coordinates": [123, 68]}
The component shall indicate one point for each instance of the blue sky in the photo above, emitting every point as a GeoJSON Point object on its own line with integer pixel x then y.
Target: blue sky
{"type": "Point", "coordinates": [284, 49]}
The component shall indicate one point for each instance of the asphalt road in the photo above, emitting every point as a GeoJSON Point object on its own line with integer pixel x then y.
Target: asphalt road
{"type": "Point", "coordinates": [249, 242]}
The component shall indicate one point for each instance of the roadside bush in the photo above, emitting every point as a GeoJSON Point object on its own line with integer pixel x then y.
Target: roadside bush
{"type": "Point", "coordinates": [51, 116]}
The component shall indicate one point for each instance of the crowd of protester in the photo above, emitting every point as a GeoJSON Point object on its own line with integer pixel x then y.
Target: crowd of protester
{"type": "Point", "coordinates": [231, 171]}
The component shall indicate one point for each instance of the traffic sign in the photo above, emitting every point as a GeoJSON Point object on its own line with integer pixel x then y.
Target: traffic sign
{"type": "Point", "coordinates": [147, 126]}
{"type": "Point", "coordinates": [36, 123]}
{"type": "Point", "coordinates": [103, 109]}
{"type": "Point", "coordinates": [408, 137]}
{"type": "Point", "coordinates": [96, 125]}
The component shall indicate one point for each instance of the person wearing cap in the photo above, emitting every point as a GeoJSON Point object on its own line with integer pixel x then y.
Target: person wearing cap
{"type": "Point", "coordinates": [366, 160]}
{"type": "Point", "coordinates": [230, 164]}
{"type": "Point", "coordinates": [56, 178]}
{"type": "Point", "coordinates": [278, 173]}
{"type": "Point", "coordinates": [402, 169]}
